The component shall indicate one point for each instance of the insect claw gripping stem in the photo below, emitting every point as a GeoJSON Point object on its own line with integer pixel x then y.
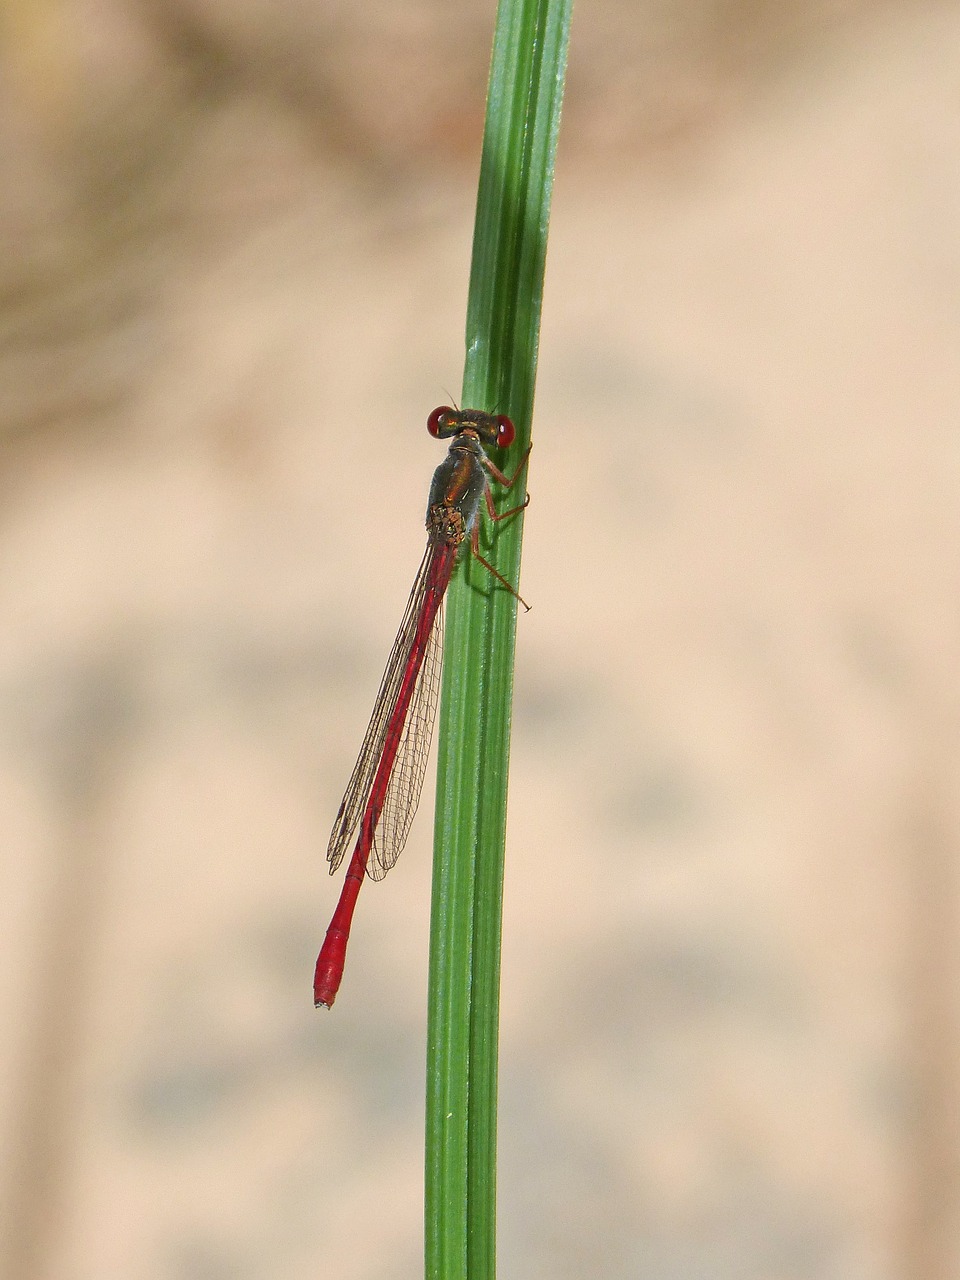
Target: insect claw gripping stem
{"type": "Point", "coordinates": [475, 549]}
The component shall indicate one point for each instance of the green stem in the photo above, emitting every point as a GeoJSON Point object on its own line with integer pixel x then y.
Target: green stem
{"type": "Point", "coordinates": [503, 323]}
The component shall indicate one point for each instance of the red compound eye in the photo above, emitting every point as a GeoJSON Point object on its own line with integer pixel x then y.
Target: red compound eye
{"type": "Point", "coordinates": [505, 431]}
{"type": "Point", "coordinates": [438, 420]}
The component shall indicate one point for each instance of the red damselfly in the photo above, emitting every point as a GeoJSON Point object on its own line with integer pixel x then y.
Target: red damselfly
{"type": "Point", "coordinates": [384, 788]}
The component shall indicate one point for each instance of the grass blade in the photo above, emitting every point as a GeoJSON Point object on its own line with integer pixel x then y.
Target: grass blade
{"type": "Point", "coordinates": [503, 323]}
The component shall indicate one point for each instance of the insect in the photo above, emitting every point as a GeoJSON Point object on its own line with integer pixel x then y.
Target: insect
{"type": "Point", "coordinates": [384, 789]}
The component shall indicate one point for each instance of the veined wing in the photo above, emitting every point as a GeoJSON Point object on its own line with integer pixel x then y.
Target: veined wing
{"type": "Point", "coordinates": [385, 785]}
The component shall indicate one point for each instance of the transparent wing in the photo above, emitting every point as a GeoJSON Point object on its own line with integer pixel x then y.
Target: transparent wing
{"type": "Point", "coordinates": [406, 777]}
{"type": "Point", "coordinates": [385, 785]}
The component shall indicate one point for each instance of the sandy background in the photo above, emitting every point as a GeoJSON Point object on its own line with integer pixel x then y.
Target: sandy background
{"type": "Point", "coordinates": [235, 244]}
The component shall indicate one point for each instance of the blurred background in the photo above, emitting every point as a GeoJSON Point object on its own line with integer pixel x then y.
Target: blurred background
{"type": "Point", "coordinates": [235, 248]}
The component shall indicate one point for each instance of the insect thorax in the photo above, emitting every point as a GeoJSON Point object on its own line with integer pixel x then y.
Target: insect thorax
{"type": "Point", "coordinates": [446, 524]}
